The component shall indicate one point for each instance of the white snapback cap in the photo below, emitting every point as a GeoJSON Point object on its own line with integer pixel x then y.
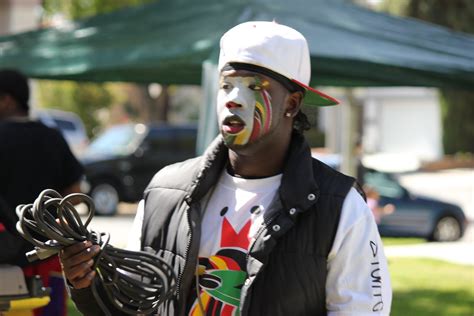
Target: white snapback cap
{"type": "Point", "coordinates": [276, 47]}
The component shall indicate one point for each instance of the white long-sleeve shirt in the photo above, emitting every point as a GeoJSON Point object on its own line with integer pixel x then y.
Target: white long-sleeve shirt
{"type": "Point", "coordinates": [358, 281]}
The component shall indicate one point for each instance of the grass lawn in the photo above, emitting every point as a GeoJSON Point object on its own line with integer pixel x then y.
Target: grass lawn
{"type": "Point", "coordinates": [71, 309]}
{"type": "Point", "coordinates": [424, 287]}
{"type": "Point", "coordinates": [431, 287]}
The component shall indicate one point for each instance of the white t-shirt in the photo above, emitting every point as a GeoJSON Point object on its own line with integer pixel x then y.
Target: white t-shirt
{"type": "Point", "coordinates": [358, 282]}
{"type": "Point", "coordinates": [236, 206]}
{"type": "Point", "coordinates": [233, 214]}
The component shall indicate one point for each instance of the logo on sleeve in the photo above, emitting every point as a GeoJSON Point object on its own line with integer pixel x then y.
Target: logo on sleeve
{"type": "Point", "coordinates": [376, 279]}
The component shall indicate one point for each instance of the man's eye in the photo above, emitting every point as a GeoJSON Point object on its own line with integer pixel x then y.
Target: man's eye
{"type": "Point", "coordinates": [225, 86]}
{"type": "Point", "coordinates": [255, 87]}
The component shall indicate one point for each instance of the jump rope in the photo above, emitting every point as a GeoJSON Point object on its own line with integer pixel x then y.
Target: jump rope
{"type": "Point", "coordinates": [135, 282]}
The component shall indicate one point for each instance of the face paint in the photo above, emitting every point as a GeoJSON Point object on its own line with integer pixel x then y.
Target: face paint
{"type": "Point", "coordinates": [244, 109]}
{"type": "Point", "coordinates": [263, 111]}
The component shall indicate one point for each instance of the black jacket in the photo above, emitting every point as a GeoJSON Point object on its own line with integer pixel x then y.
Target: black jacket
{"type": "Point", "coordinates": [286, 264]}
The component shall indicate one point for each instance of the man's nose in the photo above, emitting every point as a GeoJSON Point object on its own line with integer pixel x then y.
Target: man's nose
{"type": "Point", "coordinates": [232, 105]}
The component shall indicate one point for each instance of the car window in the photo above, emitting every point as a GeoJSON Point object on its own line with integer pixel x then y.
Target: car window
{"type": "Point", "coordinates": [172, 139]}
{"type": "Point", "coordinates": [160, 139]}
{"type": "Point", "coordinates": [384, 184]}
{"type": "Point", "coordinates": [65, 125]}
{"type": "Point", "coordinates": [186, 140]}
{"type": "Point", "coordinates": [117, 140]}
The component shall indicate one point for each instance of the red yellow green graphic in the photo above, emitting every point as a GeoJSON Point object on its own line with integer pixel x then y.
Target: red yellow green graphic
{"type": "Point", "coordinates": [222, 276]}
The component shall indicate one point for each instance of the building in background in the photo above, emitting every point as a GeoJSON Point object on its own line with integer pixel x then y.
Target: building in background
{"type": "Point", "coordinates": [398, 128]}
{"type": "Point", "coordinates": [19, 16]}
{"type": "Point", "coordinates": [403, 120]}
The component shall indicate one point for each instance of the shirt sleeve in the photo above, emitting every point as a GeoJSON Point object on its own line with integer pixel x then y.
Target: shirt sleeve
{"type": "Point", "coordinates": [135, 236]}
{"type": "Point", "coordinates": [358, 281]}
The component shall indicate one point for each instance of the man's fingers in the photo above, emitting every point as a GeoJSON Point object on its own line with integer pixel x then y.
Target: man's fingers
{"type": "Point", "coordinates": [77, 261]}
{"type": "Point", "coordinates": [74, 249]}
{"type": "Point", "coordinates": [80, 257]}
{"type": "Point", "coordinates": [79, 271]}
{"type": "Point", "coordinates": [83, 282]}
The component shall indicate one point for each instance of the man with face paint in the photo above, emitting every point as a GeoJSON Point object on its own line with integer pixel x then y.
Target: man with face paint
{"type": "Point", "coordinates": [256, 226]}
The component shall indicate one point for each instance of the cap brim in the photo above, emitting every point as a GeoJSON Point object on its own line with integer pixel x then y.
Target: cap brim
{"type": "Point", "coordinates": [315, 97]}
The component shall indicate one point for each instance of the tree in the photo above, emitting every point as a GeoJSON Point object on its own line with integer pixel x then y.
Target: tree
{"type": "Point", "coordinates": [79, 9]}
{"type": "Point", "coordinates": [81, 98]}
{"type": "Point", "coordinates": [457, 105]}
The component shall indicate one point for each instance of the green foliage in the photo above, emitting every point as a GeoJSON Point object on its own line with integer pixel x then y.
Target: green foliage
{"type": "Point", "coordinates": [457, 107]}
{"type": "Point", "coordinates": [315, 137]}
{"type": "Point", "coordinates": [79, 9]}
{"type": "Point", "coordinates": [457, 114]}
{"type": "Point", "coordinates": [455, 14]}
{"type": "Point", "coordinates": [396, 7]}
{"type": "Point", "coordinates": [431, 287]}
{"type": "Point", "coordinates": [81, 98]}
{"type": "Point", "coordinates": [185, 102]}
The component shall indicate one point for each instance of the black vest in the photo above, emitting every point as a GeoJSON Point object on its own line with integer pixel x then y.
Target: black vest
{"type": "Point", "coordinates": [286, 265]}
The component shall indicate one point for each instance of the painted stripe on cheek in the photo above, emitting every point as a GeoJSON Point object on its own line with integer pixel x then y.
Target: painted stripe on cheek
{"type": "Point", "coordinates": [243, 137]}
{"type": "Point", "coordinates": [268, 110]}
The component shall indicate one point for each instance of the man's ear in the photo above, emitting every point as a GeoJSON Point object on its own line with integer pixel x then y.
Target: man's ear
{"type": "Point", "coordinates": [8, 105]}
{"type": "Point", "coordinates": [294, 103]}
{"type": "Point", "coordinates": [4, 101]}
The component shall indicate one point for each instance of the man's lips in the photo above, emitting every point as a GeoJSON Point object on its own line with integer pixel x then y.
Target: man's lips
{"type": "Point", "coordinates": [233, 124]}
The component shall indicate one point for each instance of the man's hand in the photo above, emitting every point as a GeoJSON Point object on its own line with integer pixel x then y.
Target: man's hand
{"type": "Point", "coordinates": [77, 262]}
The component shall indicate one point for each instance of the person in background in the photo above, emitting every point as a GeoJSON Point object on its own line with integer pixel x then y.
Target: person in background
{"type": "Point", "coordinates": [256, 226]}
{"type": "Point", "coordinates": [33, 157]}
{"type": "Point", "coordinates": [373, 198]}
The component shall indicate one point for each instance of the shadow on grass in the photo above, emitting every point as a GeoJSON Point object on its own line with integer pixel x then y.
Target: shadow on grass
{"type": "Point", "coordinates": [422, 302]}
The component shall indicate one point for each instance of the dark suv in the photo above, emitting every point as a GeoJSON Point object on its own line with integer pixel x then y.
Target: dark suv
{"type": "Point", "coordinates": [121, 161]}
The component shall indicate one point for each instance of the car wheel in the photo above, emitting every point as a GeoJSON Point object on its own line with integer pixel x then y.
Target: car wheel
{"type": "Point", "coordinates": [106, 199]}
{"type": "Point", "coordinates": [447, 229]}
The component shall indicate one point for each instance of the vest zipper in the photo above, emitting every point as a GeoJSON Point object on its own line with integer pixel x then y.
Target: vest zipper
{"type": "Point", "coordinates": [186, 254]}
{"type": "Point", "coordinates": [257, 235]}
{"type": "Point", "coordinates": [259, 232]}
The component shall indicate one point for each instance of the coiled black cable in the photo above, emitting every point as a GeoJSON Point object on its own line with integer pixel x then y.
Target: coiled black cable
{"type": "Point", "coordinates": [135, 282]}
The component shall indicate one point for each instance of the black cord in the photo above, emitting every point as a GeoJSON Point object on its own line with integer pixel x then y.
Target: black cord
{"type": "Point", "coordinates": [135, 282]}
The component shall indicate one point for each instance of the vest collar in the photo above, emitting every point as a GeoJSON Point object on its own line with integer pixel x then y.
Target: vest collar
{"type": "Point", "coordinates": [206, 176]}
{"type": "Point", "coordinates": [298, 188]}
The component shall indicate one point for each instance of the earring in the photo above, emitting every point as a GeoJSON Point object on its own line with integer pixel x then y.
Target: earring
{"type": "Point", "coordinates": [288, 114]}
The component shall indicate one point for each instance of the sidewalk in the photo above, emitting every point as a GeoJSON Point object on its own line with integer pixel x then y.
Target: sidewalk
{"type": "Point", "coordinates": [455, 252]}
{"type": "Point", "coordinates": [460, 252]}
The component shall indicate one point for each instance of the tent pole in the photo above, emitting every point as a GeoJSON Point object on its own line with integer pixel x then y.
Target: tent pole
{"type": "Point", "coordinates": [207, 126]}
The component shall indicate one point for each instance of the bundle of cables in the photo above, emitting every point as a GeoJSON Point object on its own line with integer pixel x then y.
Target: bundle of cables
{"type": "Point", "coordinates": [135, 282]}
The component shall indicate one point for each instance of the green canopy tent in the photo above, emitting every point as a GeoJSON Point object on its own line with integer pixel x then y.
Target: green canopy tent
{"type": "Point", "coordinates": [167, 41]}
{"type": "Point", "coordinates": [170, 41]}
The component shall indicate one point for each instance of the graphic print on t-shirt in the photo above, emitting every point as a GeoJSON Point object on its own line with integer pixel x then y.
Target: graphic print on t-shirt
{"type": "Point", "coordinates": [222, 275]}
{"type": "Point", "coordinates": [234, 212]}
